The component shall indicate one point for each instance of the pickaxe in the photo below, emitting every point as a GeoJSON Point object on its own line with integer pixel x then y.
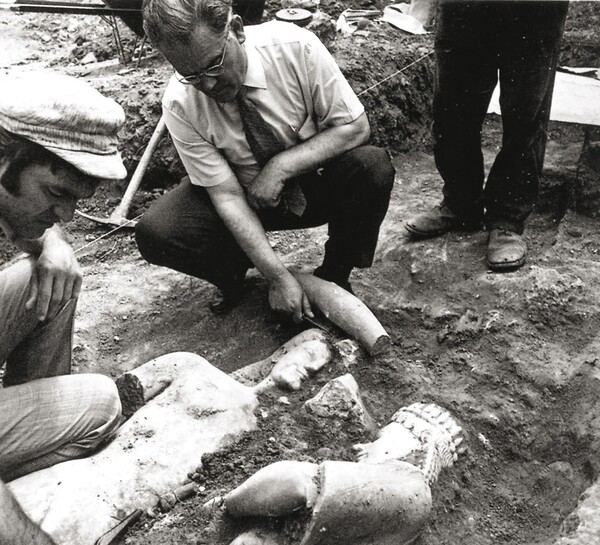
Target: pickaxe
{"type": "Point", "coordinates": [119, 216]}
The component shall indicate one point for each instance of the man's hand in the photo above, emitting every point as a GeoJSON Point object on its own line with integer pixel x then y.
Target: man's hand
{"type": "Point", "coordinates": [56, 277]}
{"type": "Point", "coordinates": [286, 296]}
{"type": "Point", "coordinates": [265, 190]}
{"type": "Point", "coordinates": [285, 293]}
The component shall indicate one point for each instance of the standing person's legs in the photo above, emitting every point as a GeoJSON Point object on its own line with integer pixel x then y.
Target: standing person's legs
{"type": "Point", "coordinates": [528, 58]}
{"type": "Point", "coordinates": [183, 231]}
{"type": "Point", "coordinates": [30, 348]}
{"type": "Point", "coordinates": [51, 420]}
{"type": "Point", "coordinates": [527, 71]}
{"type": "Point", "coordinates": [466, 75]}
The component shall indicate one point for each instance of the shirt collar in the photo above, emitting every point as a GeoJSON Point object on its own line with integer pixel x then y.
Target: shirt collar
{"type": "Point", "coordinates": [255, 73]}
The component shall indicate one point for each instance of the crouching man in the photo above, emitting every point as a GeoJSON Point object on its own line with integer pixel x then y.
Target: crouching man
{"type": "Point", "coordinates": [272, 137]}
{"type": "Point", "coordinates": [58, 138]}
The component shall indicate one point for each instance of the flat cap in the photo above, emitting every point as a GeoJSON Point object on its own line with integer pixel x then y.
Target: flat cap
{"type": "Point", "coordinates": [67, 117]}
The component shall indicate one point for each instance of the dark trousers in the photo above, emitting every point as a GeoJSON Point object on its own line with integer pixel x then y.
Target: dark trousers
{"type": "Point", "coordinates": [475, 42]}
{"type": "Point", "coordinates": [183, 231]}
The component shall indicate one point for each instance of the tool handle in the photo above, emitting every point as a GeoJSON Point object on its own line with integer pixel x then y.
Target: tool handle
{"type": "Point", "coordinates": [136, 179]}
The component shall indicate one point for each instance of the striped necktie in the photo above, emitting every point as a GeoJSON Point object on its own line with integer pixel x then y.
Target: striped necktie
{"type": "Point", "coordinates": [264, 144]}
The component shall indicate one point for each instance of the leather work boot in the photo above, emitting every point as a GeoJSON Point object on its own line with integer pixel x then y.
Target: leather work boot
{"type": "Point", "coordinates": [341, 280]}
{"type": "Point", "coordinates": [506, 250]}
{"type": "Point", "coordinates": [437, 221]}
{"type": "Point", "coordinates": [230, 294]}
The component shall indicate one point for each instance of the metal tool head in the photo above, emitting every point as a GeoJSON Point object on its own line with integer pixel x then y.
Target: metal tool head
{"type": "Point", "coordinates": [316, 324]}
{"type": "Point", "coordinates": [111, 537]}
{"type": "Point", "coordinates": [114, 221]}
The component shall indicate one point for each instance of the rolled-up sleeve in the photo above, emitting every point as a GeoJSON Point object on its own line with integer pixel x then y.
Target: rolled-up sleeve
{"type": "Point", "coordinates": [203, 162]}
{"type": "Point", "coordinates": [334, 101]}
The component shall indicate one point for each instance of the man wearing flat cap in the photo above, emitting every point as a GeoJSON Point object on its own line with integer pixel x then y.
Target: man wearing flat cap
{"type": "Point", "coordinates": [58, 138]}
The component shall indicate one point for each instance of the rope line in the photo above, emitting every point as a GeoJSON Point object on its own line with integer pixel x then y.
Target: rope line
{"type": "Point", "coordinates": [359, 94]}
{"type": "Point", "coordinates": [108, 233]}
{"type": "Point", "coordinates": [395, 73]}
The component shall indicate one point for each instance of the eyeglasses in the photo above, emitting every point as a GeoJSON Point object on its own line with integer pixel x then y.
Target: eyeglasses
{"type": "Point", "coordinates": [211, 72]}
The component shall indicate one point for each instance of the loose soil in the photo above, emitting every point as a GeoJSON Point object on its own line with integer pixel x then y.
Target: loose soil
{"type": "Point", "coordinates": [513, 356]}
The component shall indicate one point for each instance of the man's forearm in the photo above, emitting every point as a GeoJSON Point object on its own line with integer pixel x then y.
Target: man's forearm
{"type": "Point", "coordinates": [314, 152]}
{"type": "Point", "coordinates": [246, 228]}
{"type": "Point", "coordinates": [15, 527]}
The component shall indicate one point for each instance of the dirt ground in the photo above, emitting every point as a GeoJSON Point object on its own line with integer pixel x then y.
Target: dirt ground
{"type": "Point", "coordinates": [513, 356]}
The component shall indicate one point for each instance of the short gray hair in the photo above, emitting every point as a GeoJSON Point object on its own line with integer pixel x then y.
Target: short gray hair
{"type": "Point", "coordinates": [167, 21]}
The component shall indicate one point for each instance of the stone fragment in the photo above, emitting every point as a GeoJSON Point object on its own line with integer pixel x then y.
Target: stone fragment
{"type": "Point", "coordinates": [89, 58]}
{"type": "Point", "coordinates": [348, 350]}
{"type": "Point", "coordinates": [340, 399]}
{"type": "Point", "coordinates": [582, 526]}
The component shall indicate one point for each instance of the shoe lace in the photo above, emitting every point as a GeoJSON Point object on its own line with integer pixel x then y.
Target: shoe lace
{"type": "Point", "coordinates": [506, 233]}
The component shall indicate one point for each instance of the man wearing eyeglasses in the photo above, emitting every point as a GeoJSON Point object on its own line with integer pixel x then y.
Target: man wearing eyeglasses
{"type": "Point", "coordinates": [313, 169]}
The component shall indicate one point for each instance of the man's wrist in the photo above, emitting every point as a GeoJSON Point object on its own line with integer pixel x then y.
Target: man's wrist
{"type": "Point", "coordinates": [53, 235]}
{"type": "Point", "coordinates": [273, 276]}
{"type": "Point", "coordinates": [277, 168]}
{"type": "Point", "coordinates": [36, 246]}
{"type": "Point", "coordinates": [280, 278]}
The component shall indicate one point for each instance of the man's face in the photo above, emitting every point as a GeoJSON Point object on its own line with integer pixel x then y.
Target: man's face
{"type": "Point", "coordinates": [206, 50]}
{"type": "Point", "coordinates": [43, 198]}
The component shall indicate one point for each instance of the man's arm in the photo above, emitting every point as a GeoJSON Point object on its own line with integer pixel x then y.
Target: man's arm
{"type": "Point", "coordinates": [285, 293]}
{"type": "Point", "coordinates": [265, 189]}
{"type": "Point", "coordinates": [57, 276]}
{"type": "Point", "coordinates": [15, 527]}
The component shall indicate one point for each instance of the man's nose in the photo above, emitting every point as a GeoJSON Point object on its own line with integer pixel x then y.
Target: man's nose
{"type": "Point", "coordinates": [65, 210]}
{"type": "Point", "coordinates": [206, 84]}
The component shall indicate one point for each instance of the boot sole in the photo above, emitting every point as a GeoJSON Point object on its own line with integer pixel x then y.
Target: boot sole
{"type": "Point", "coordinates": [506, 265]}
{"type": "Point", "coordinates": [430, 234]}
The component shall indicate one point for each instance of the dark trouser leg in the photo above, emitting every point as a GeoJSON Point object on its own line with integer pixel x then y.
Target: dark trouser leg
{"type": "Point", "coordinates": [183, 231]}
{"type": "Point", "coordinates": [352, 195]}
{"type": "Point", "coordinates": [466, 74]}
{"type": "Point", "coordinates": [527, 72]}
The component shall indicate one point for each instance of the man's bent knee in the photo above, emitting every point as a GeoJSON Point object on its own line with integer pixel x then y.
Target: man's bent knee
{"type": "Point", "coordinates": [375, 165]}
{"type": "Point", "coordinates": [149, 240]}
{"type": "Point", "coordinates": [103, 414]}
{"type": "Point", "coordinates": [380, 164]}
{"type": "Point", "coordinates": [59, 419]}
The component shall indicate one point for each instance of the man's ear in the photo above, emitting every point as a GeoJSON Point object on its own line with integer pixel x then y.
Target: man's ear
{"type": "Point", "coordinates": [237, 25]}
